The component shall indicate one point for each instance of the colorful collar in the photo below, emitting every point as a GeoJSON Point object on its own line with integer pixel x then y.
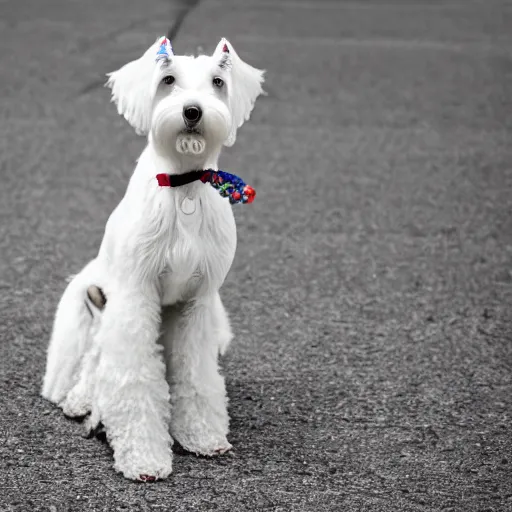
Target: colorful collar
{"type": "Point", "coordinates": [229, 185]}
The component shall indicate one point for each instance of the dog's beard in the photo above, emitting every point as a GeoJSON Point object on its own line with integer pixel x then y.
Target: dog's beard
{"type": "Point", "coordinates": [190, 144]}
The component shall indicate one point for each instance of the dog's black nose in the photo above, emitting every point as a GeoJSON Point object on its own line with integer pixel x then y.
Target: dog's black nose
{"type": "Point", "coordinates": [192, 114]}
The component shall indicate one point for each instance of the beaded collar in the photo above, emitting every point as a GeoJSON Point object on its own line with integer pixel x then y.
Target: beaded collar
{"type": "Point", "coordinates": [228, 185]}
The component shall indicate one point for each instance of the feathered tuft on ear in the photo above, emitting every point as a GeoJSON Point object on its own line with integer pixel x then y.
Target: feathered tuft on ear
{"type": "Point", "coordinates": [246, 84]}
{"type": "Point", "coordinates": [165, 52]}
{"type": "Point", "coordinates": [133, 86]}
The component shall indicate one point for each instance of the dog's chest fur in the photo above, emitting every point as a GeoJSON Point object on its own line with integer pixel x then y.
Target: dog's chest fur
{"type": "Point", "coordinates": [202, 243]}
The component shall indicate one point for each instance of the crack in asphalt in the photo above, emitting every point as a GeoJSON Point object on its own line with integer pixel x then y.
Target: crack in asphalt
{"type": "Point", "coordinates": [172, 33]}
{"type": "Point", "coordinates": [175, 27]}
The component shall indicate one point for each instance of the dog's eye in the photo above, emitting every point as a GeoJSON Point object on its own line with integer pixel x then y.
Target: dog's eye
{"type": "Point", "coordinates": [168, 80]}
{"type": "Point", "coordinates": [218, 82]}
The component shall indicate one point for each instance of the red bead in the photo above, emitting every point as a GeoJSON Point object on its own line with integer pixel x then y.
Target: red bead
{"type": "Point", "coordinates": [250, 193]}
{"type": "Point", "coordinates": [236, 195]}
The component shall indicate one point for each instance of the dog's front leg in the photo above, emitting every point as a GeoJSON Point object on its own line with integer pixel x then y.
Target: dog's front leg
{"type": "Point", "coordinates": [131, 392]}
{"type": "Point", "coordinates": [198, 395]}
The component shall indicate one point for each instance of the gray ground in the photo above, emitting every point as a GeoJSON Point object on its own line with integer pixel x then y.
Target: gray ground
{"type": "Point", "coordinates": [372, 289]}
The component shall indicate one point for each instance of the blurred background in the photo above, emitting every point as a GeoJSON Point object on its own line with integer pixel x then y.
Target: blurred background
{"type": "Point", "coordinates": [371, 294]}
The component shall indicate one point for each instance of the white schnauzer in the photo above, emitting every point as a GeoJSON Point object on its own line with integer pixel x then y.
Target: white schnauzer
{"type": "Point", "coordinates": [146, 365]}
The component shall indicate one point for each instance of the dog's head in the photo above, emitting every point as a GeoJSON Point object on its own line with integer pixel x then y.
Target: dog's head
{"type": "Point", "coordinates": [187, 105]}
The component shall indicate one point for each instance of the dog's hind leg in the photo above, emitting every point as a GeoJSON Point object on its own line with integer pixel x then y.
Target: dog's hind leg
{"type": "Point", "coordinates": [79, 401]}
{"type": "Point", "coordinates": [70, 336]}
{"type": "Point", "coordinates": [194, 334]}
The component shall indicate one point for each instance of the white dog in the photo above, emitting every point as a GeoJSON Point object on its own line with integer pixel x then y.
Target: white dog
{"type": "Point", "coordinates": [146, 366]}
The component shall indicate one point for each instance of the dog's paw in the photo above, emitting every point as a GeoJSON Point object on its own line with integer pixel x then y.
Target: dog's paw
{"type": "Point", "coordinates": [56, 389]}
{"type": "Point", "coordinates": [141, 466]}
{"type": "Point", "coordinates": [76, 404]}
{"type": "Point", "coordinates": [204, 444]}
{"type": "Point", "coordinates": [52, 396]}
{"type": "Point", "coordinates": [93, 424]}
{"type": "Point", "coordinates": [200, 429]}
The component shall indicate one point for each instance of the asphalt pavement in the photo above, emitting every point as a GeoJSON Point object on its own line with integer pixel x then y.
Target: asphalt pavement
{"type": "Point", "coordinates": [371, 294]}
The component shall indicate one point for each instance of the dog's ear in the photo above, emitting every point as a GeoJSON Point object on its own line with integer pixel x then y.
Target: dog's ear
{"type": "Point", "coordinates": [245, 85]}
{"type": "Point", "coordinates": [134, 85]}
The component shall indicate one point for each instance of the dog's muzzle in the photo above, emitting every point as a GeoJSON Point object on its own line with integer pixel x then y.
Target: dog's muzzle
{"type": "Point", "coordinates": [191, 142]}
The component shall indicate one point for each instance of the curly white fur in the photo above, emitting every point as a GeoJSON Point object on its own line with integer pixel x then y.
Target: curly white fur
{"type": "Point", "coordinates": [163, 259]}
